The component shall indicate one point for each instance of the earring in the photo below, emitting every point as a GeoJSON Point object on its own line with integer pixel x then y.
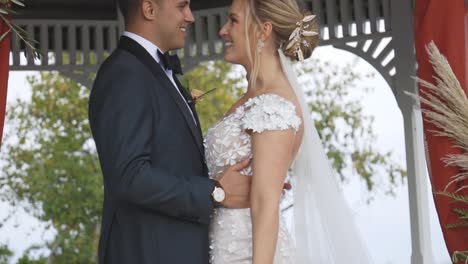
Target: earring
{"type": "Point", "coordinates": [260, 45]}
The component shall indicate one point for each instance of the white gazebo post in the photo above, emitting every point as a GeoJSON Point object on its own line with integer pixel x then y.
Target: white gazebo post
{"type": "Point", "coordinates": [414, 142]}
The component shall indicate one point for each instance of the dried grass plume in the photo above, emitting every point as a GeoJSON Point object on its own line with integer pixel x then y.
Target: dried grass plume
{"type": "Point", "coordinates": [448, 111]}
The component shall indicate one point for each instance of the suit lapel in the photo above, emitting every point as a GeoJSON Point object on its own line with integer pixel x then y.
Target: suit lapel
{"type": "Point", "coordinates": [192, 107]}
{"type": "Point", "coordinates": [189, 99]}
{"type": "Point", "coordinates": [136, 49]}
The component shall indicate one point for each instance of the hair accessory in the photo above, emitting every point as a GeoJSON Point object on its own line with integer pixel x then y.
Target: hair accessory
{"type": "Point", "coordinates": [296, 36]}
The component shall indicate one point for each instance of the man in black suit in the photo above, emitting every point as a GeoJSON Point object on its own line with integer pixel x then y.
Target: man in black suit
{"type": "Point", "coordinates": [157, 195]}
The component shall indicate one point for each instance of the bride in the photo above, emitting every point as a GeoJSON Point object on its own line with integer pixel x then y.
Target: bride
{"type": "Point", "coordinates": [270, 124]}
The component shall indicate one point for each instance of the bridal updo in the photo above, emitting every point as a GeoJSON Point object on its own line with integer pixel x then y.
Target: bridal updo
{"type": "Point", "coordinates": [286, 18]}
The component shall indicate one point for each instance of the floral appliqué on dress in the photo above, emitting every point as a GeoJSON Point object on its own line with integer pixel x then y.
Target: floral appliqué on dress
{"type": "Point", "coordinates": [227, 143]}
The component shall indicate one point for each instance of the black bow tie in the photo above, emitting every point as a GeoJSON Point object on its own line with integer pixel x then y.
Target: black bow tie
{"type": "Point", "coordinates": [170, 62]}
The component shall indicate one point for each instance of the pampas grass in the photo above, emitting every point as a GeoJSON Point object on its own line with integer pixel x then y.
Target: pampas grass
{"type": "Point", "coordinates": [448, 111]}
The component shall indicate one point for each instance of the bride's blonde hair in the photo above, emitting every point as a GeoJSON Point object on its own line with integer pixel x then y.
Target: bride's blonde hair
{"type": "Point", "coordinates": [285, 16]}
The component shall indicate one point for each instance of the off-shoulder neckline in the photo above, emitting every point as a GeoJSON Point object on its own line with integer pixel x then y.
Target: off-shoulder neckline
{"type": "Point", "coordinates": [241, 106]}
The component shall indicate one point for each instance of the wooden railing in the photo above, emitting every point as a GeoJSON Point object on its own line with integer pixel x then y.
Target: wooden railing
{"type": "Point", "coordinates": [83, 44]}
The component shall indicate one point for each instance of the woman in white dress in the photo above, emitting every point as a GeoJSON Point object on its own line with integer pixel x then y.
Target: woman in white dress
{"type": "Point", "coordinates": [271, 125]}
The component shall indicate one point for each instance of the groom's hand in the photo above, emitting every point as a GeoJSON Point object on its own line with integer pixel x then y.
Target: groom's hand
{"type": "Point", "coordinates": [236, 186]}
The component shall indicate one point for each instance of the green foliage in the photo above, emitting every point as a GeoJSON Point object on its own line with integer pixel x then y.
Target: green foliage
{"type": "Point", "coordinates": [454, 196]}
{"type": "Point", "coordinates": [228, 84]}
{"type": "Point", "coordinates": [457, 225]}
{"type": "Point", "coordinates": [462, 213]}
{"type": "Point", "coordinates": [51, 165]}
{"type": "Point", "coordinates": [5, 254]}
{"type": "Point", "coordinates": [459, 256]}
{"type": "Point", "coordinates": [345, 130]}
{"type": "Point", "coordinates": [26, 260]}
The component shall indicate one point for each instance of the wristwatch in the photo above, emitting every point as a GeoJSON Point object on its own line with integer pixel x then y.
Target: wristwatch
{"type": "Point", "coordinates": [218, 193]}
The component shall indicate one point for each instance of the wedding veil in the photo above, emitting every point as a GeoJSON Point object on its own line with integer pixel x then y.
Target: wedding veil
{"type": "Point", "coordinates": [324, 228]}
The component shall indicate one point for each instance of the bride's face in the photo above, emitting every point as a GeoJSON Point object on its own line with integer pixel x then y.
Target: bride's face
{"type": "Point", "coordinates": [233, 34]}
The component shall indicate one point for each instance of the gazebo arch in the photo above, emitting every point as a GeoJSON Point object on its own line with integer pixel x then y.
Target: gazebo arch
{"type": "Point", "coordinates": [76, 36]}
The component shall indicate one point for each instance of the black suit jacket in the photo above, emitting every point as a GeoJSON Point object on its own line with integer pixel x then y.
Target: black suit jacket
{"type": "Point", "coordinates": [157, 194]}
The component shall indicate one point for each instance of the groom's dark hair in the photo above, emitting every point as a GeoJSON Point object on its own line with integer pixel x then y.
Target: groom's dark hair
{"type": "Point", "coordinates": [128, 8]}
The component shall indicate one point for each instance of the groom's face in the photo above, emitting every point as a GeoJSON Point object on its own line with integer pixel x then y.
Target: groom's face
{"type": "Point", "coordinates": [172, 22]}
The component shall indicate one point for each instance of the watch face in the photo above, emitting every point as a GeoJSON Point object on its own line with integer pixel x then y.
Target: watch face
{"type": "Point", "coordinates": [218, 195]}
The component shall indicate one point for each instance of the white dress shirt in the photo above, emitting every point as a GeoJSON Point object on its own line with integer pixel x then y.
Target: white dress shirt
{"type": "Point", "coordinates": [153, 51]}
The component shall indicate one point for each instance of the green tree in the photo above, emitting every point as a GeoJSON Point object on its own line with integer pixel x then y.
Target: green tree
{"type": "Point", "coordinates": [25, 259]}
{"type": "Point", "coordinates": [51, 165]}
{"type": "Point", "coordinates": [50, 161]}
{"type": "Point", "coordinates": [5, 254]}
{"type": "Point", "coordinates": [346, 131]}
{"type": "Point", "coordinates": [228, 85]}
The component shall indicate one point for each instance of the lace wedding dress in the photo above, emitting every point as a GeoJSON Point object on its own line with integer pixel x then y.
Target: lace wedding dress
{"type": "Point", "coordinates": [228, 143]}
{"type": "Point", "coordinates": [324, 228]}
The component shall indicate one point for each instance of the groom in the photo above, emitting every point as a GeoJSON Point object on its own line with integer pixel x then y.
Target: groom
{"type": "Point", "coordinates": [157, 195]}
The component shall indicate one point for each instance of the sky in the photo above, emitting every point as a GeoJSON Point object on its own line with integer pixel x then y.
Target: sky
{"type": "Point", "coordinates": [384, 223]}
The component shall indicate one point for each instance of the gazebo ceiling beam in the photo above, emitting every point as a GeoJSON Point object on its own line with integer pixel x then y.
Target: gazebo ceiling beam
{"type": "Point", "coordinates": [90, 9]}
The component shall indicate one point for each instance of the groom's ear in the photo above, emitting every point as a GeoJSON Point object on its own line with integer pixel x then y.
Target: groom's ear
{"type": "Point", "coordinates": [149, 9]}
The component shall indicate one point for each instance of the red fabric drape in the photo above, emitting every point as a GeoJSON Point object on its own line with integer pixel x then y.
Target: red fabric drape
{"type": "Point", "coordinates": [466, 50]}
{"type": "Point", "coordinates": [444, 23]}
{"type": "Point", "coordinates": [4, 68]}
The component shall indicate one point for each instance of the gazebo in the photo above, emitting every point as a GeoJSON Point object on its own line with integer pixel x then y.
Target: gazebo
{"type": "Point", "coordinates": [76, 36]}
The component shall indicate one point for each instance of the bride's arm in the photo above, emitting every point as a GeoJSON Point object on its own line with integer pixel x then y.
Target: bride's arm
{"type": "Point", "coordinates": [272, 155]}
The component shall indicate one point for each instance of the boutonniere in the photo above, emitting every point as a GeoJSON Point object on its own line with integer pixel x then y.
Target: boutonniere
{"type": "Point", "coordinates": [198, 95]}
{"type": "Point", "coordinates": [195, 94]}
